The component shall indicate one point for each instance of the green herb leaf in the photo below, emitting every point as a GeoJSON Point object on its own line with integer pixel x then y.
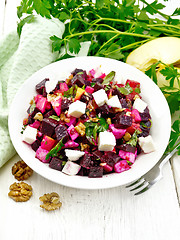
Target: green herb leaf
{"type": "Point", "coordinates": [134, 138]}
{"type": "Point", "coordinates": [54, 151]}
{"type": "Point", "coordinates": [55, 117]}
{"type": "Point", "coordinates": [109, 77]}
{"type": "Point", "coordinates": [74, 45]}
{"type": "Point", "coordinates": [71, 91]}
{"type": "Point", "coordinates": [127, 89]}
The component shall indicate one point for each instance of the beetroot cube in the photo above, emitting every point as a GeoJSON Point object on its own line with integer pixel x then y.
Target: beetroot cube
{"type": "Point", "coordinates": [99, 80]}
{"type": "Point", "coordinates": [40, 87]}
{"type": "Point", "coordinates": [61, 132]}
{"type": "Point", "coordinates": [122, 121]}
{"type": "Point", "coordinates": [121, 166]}
{"type": "Point", "coordinates": [127, 148]}
{"type": "Point", "coordinates": [96, 172]}
{"type": "Point", "coordinates": [41, 103]}
{"type": "Point", "coordinates": [98, 86]}
{"type": "Point", "coordinates": [65, 104]}
{"type": "Point", "coordinates": [48, 143]}
{"type": "Point", "coordinates": [72, 132]}
{"type": "Point", "coordinates": [127, 156]}
{"type": "Point", "coordinates": [41, 155]}
{"type": "Point", "coordinates": [36, 124]}
{"type": "Point", "coordinates": [56, 163]}
{"type": "Point", "coordinates": [35, 145]}
{"type": "Point", "coordinates": [78, 80]}
{"type": "Point", "coordinates": [48, 126]}
{"type": "Point", "coordinates": [85, 161]}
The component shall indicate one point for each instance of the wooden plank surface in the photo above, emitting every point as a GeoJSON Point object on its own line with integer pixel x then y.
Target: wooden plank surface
{"type": "Point", "coordinates": [101, 214]}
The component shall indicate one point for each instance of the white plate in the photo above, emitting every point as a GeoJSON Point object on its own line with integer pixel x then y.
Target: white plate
{"type": "Point", "coordinates": [159, 110]}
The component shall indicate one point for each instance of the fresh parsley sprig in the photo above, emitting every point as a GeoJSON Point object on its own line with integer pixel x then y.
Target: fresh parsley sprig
{"type": "Point", "coordinates": [114, 28]}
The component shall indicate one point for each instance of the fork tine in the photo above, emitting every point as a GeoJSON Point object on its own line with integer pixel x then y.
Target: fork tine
{"type": "Point", "coordinates": [134, 183]}
{"type": "Point", "coordinates": [139, 186]}
{"type": "Point", "coordinates": [143, 190]}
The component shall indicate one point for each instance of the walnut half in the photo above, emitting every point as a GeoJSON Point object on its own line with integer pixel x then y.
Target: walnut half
{"type": "Point", "coordinates": [50, 201]}
{"type": "Point", "coordinates": [20, 192]}
{"type": "Point", "coordinates": [21, 171]}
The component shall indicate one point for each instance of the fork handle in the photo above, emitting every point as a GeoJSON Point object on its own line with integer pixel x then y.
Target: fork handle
{"type": "Point", "coordinates": [166, 159]}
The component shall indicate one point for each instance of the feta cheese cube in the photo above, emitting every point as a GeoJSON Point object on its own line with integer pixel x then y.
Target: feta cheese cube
{"type": "Point", "coordinates": [147, 144]}
{"type": "Point", "coordinates": [114, 102]}
{"type": "Point", "coordinates": [71, 168]}
{"type": "Point", "coordinates": [106, 141]}
{"type": "Point", "coordinates": [140, 105]}
{"type": "Point", "coordinates": [73, 155]}
{"type": "Point", "coordinates": [29, 135]}
{"type": "Point", "coordinates": [77, 108]}
{"type": "Point", "coordinates": [100, 97]}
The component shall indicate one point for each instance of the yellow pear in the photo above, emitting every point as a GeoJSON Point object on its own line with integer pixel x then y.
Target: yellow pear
{"type": "Point", "coordinates": [164, 49]}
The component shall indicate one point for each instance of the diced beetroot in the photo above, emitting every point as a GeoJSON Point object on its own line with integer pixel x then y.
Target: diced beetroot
{"type": "Point", "coordinates": [56, 163]}
{"type": "Point", "coordinates": [127, 148]}
{"type": "Point", "coordinates": [118, 133]}
{"type": "Point", "coordinates": [135, 115]}
{"type": "Point", "coordinates": [48, 143]}
{"type": "Point", "coordinates": [106, 167]}
{"type": "Point", "coordinates": [56, 104]}
{"type": "Point", "coordinates": [71, 122]}
{"type": "Point", "coordinates": [131, 96]}
{"type": "Point", "coordinates": [35, 145]}
{"type": "Point", "coordinates": [92, 72]}
{"type": "Point", "coordinates": [48, 126]}
{"type": "Point", "coordinates": [40, 87]}
{"type": "Point", "coordinates": [41, 154]}
{"type": "Point", "coordinates": [35, 124]}
{"type": "Point", "coordinates": [85, 161]}
{"type": "Point", "coordinates": [122, 121]}
{"type": "Point", "coordinates": [121, 166]}
{"type": "Point", "coordinates": [95, 172]}
{"type": "Point", "coordinates": [133, 128]}
{"type": "Point", "coordinates": [72, 132]}
{"type": "Point", "coordinates": [65, 104]}
{"type": "Point", "coordinates": [89, 89]}
{"type": "Point", "coordinates": [133, 84]}
{"type": "Point", "coordinates": [127, 156]}
{"type": "Point", "coordinates": [61, 132]}
{"type": "Point", "coordinates": [78, 80]}
{"type": "Point", "coordinates": [71, 144]}
{"type": "Point", "coordinates": [41, 103]}
{"type": "Point", "coordinates": [63, 87]}
{"type": "Point", "coordinates": [102, 75]}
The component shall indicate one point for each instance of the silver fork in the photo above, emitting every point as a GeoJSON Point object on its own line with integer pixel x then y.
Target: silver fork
{"type": "Point", "coordinates": [154, 175]}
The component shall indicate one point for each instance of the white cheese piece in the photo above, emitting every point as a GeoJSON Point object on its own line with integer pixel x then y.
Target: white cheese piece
{"type": "Point", "coordinates": [73, 155]}
{"type": "Point", "coordinates": [100, 97]}
{"type": "Point", "coordinates": [140, 105]}
{"type": "Point", "coordinates": [77, 108]}
{"type": "Point", "coordinates": [147, 144]}
{"type": "Point", "coordinates": [114, 102]}
{"type": "Point", "coordinates": [53, 80]}
{"type": "Point", "coordinates": [29, 135]}
{"type": "Point", "coordinates": [71, 168]}
{"type": "Point", "coordinates": [106, 141]}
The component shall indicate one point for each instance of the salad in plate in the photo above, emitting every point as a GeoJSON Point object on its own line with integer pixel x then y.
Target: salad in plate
{"type": "Point", "coordinates": [88, 124]}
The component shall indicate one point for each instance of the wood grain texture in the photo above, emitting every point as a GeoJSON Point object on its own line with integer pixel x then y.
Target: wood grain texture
{"type": "Point", "coordinates": [92, 215]}
{"type": "Point", "coordinates": [101, 214]}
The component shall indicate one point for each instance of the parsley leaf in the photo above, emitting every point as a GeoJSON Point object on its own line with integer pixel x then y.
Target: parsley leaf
{"type": "Point", "coordinates": [74, 45]}
{"type": "Point", "coordinates": [54, 151]}
{"type": "Point", "coordinates": [109, 77]}
{"type": "Point", "coordinates": [127, 89]}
